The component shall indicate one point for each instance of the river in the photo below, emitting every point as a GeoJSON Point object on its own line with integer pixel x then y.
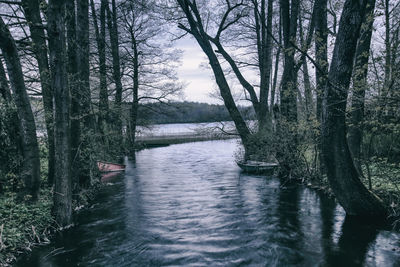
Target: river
{"type": "Point", "coordinates": [190, 205]}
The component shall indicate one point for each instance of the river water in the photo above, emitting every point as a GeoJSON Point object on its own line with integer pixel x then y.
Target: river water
{"type": "Point", "coordinates": [190, 205]}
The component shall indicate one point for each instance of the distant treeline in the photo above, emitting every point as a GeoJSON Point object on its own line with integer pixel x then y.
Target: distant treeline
{"type": "Point", "coordinates": [187, 112]}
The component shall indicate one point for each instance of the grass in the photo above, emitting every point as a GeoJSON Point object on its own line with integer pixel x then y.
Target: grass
{"type": "Point", "coordinates": [23, 224]}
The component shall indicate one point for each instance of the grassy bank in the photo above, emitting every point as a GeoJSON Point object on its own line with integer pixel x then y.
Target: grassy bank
{"type": "Point", "coordinates": [24, 225]}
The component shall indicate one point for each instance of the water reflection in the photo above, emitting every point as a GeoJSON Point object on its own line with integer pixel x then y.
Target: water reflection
{"type": "Point", "coordinates": [190, 205]}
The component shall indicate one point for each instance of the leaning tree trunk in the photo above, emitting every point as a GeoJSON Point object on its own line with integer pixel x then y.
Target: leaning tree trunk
{"type": "Point", "coordinates": [62, 190]}
{"type": "Point", "coordinates": [198, 32]}
{"type": "Point", "coordinates": [342, 174]}
{"type": "Point", "coordinates": [32, 14]}
{"type": "Point", "coordinates": [31, 164]}
{"type": "Point", "coordinates": [360, 85]}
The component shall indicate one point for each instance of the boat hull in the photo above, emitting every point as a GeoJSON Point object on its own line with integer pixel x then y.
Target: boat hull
{"type": "Point", "coordinates": [257, 166]}
{"type": "Point", "coordinates": [106, 167]}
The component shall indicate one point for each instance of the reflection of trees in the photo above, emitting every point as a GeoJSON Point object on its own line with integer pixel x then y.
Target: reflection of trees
{"type": "Point", "coordinates": [290, 235]}
{"type": "Point", "coordinates": [354, 242]}
{"type": "Point", "coordinates": [327, 209]}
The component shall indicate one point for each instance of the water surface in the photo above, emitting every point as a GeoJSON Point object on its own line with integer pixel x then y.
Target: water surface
{"type": "Point", "coordinates": [190, 205]}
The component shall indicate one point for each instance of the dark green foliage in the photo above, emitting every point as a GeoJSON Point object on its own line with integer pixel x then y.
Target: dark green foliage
{"type": "Point", "coordinates": [10, 148]}
{"type": "Point", "coordinates": [23, 224]}
{"type": "Point", "coordinates": [187, 112]}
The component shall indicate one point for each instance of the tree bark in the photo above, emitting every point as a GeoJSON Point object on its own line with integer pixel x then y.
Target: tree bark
{"type": "Point", "coordinates": [75, 112]}
{"type": "Point", "coordinates": [113, 31]}
{"type": "Point", "coordinates": [276, 68]}
{"type": "Point", "coordinates": [321, 73]}
{"type": "Point", "coordinates": [62, 208]}
{"type": "Point", "coordinates": [31, 164]}
{"type": "Point", "coordinates": [342, 174]}
{"type": "Point", "coordinates": [101, 47]}
{"type": "Point", "coordinates": [288, 93]}
{"type": "Point", "coordinates": [82, 37]}
{"type": "Point", "coordinates": [360, 85]}
{"type": "Point", "coordinates": [321, 52]}
{"type": "Point", "coordinates": [264, 44]}
{"type": "Point", "coordinates": [32, 14]}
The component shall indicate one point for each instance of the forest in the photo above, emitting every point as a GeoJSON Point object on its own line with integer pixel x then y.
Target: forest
{"type": "Point", "coordinates": [321, 78]}
{"type": "Point", "coordinates": [187, 112]}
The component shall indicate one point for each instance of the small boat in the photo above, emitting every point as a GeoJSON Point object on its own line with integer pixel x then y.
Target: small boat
{"type": "Point", "coordinates": [110, 167]}
{"type": "Point", "coordinates": [252, 166]}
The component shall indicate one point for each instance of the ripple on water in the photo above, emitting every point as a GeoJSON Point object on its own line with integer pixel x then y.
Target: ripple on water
{"type": "Point", "coordinates": [190, 205]}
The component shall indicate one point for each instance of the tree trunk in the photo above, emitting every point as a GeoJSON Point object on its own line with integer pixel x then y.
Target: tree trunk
{"type": "Point", "coordinates": [264, 43]}
{"type": "Point", "coordinates": [31, 164]}
{"type": "Point", "coordinates": [113, 31]}
{"type": "Point", "coordinates": [72, 70]}
{"type": "Point", "coordinates": [342, 174]}
{"type": "Point", "coordinates": [197, 30]}
{"type": "Point", "coordinates": [360, 84]}
{"type": "Point", "coordinates": [82, 37]}
{"type": "Point", "coordinates": [4, 88]}
{"type": "Point", "coordinates": [62, 208]}
{"type": "Point", "coordinates": [101, 47]}
{"type": "Point", "coordinates": [32, 14]}
{"type": "Point", "coordinates": [288, 94]}
{"type": "Point", "coordinates": [276, 68]}
{"type": "Point", "coordinates": [321, 73]}
{"type": "Point", "coordinates": [135, 100]}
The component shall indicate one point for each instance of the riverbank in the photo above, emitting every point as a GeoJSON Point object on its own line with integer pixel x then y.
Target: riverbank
{"type": "Point", "coordinates": [24, 225]}
{"type": "Point", "coordinates": [190, 204]}
{"type": "Point", "coordinates": [381, 180]}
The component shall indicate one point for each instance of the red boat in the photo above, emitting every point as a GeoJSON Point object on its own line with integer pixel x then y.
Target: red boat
{"type": "Point", "coordinates": [110, 167]}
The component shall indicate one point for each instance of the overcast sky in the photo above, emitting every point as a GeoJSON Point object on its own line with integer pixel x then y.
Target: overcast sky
{"type": "Point", "coordinates": [199, 80]}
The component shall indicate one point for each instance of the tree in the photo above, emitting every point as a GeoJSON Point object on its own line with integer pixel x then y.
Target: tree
{"type": "Point", "coordinates": [74, 90]}
{"type": "Point", "coordinates": [321, 58]}
{"type": "Point", "coordinates": [288, 93]}
{"type": "Point", "coordinates": [149, 62]}
{"type": "Point", "coordinates": [39, 46]}
{"type": "Point", "coordinates": [342, 174]}
{"type": "Point", "coordinates": [100, 34]}
{"type": "Point", "coordinates": [114, 43]}
{"type": "Point", "coordinates": [196, 28]}
{"type": "Point", "coordinates": [31, 164]}
{"type": "Point", "coordinates": [62, 187]}
{"type": "Point", "coordinates": [82, 41]}
{"type": "Point", "coordinates": [360, 85]}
